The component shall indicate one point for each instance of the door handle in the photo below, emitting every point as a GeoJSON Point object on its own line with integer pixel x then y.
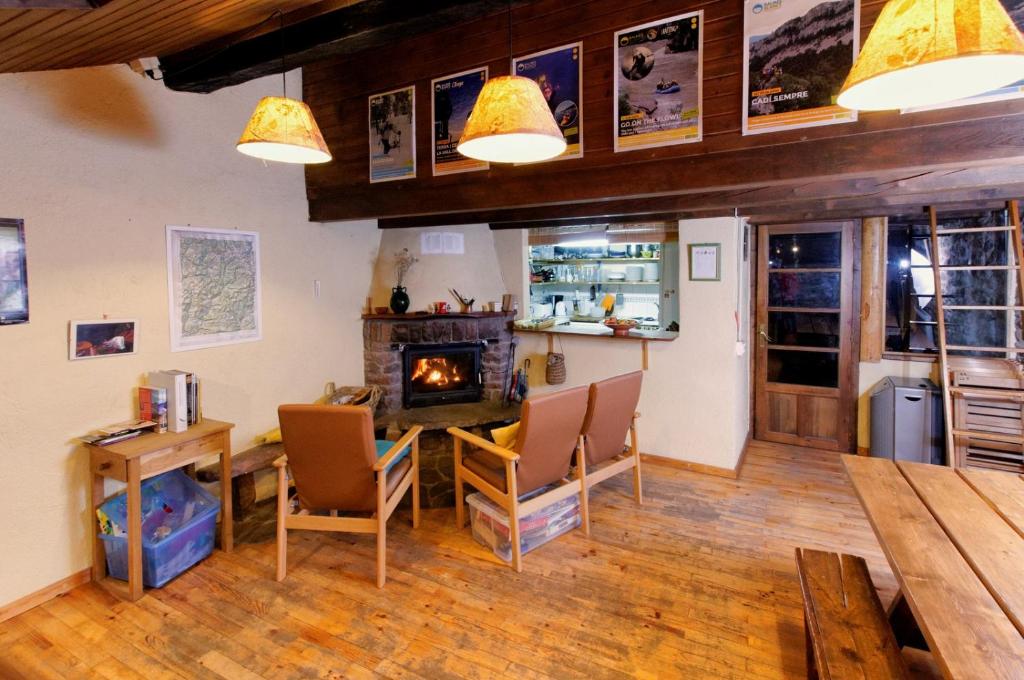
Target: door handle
{"type": "Point", "coordinates": [765, 336]}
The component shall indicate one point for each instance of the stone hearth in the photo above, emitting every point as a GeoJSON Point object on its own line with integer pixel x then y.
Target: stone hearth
{"type": "Point", "coordinates": [383, 337]}
{"type": "Point", "coordinates": [437, 476]}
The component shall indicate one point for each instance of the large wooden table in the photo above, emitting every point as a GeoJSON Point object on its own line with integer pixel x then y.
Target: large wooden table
{"type": "Point", "coordinates": [955, 542]}
{"type": "Point", "coordinates": [146, 456]}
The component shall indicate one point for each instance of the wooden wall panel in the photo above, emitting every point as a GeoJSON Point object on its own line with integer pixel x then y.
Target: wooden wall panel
{"type": "Point", "coordinates": [886, 142]}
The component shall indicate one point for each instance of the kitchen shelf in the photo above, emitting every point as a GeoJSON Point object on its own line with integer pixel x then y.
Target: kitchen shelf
{"type": "Point", "coordinates": [598, 260]}
{"type": "Point", "coordinates": [594, 283]}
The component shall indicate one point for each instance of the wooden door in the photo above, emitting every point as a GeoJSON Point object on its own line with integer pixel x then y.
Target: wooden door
{"type": "Point", "coordinates": [807, 335]}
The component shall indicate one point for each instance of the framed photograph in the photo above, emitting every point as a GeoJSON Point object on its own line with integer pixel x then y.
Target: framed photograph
{"type": "Point", "coordinates": [104, 338]}
{"type": "Point", "coordinates": [213, 284]}
{"type": "Point", "coordinates": [393, 135]}
{"type": "Point", "coordinates": [795, 58]}
{"type": "Point", "coordinates": [452, 102]}
{"type": "Point", "coordinates": [13, 272]}
{"type": "Point", "coordinates": [658, 87]}
{"type": "Point", "coordinates": [704, 261]}
{"type": "Point", "coordinates": [559, 73]}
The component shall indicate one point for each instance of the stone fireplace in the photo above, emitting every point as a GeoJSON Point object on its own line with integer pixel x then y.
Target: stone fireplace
{"type": "Point", "coordinates": [438, 371]}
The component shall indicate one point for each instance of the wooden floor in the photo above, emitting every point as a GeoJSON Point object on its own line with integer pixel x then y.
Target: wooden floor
{"type": "Point", "coordinates": [700, 582]}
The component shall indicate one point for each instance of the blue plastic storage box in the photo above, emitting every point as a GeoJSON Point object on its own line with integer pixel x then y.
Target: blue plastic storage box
{"type": "Point", "coordinates": [179, 521]}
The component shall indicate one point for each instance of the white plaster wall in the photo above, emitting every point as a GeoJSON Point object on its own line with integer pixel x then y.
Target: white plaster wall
{"type": "Point", "coordinates": [97, 162]}
{"type": "Point", "coordinates": [510, 245]}
{"type": "Point", "coordinates": [475, 274]}
{"type": "Point", "coordinates": [695, 399]}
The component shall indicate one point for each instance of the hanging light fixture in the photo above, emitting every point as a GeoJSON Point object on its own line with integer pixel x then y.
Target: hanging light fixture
{"type": "Point", "coordinates": [511, 121]}
{"type": "Point", "coordinates": [283, 129]}
{"type": "Point", "coordinates": [923, 52]}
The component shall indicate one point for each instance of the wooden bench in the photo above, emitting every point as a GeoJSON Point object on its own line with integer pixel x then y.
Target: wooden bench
{"type": "Point", "coordinates": [244, 467]}
{"type": "Point", "coordinates": [848, 633]}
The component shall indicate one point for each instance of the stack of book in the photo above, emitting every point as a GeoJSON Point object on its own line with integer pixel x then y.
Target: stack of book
{"type": "Point", "coordinates": [182, 396]}
{"type": "Point", "coordinates": [118, 432]}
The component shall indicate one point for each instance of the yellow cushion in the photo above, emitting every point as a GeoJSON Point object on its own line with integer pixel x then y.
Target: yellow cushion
{"type": "Point", "coordinates": [505, 437]}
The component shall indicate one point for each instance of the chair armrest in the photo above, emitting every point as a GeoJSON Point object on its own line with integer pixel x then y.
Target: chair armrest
{"type": "Point", "coordinates": [396, 449]}
{"type": "Point", "coordinates": [482, 443]}
{"type": "Point", "coordinates": [281, 462]}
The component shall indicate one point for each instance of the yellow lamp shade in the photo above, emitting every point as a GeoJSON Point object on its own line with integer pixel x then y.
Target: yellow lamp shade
{"type": "Point", "coordinates": [923, 52]}
{"type": "Point", "coordinates": [511, 123]}
{"type": "Point", "coordinates": [283, 129]}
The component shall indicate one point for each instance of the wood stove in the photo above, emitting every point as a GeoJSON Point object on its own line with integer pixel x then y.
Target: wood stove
{"type": "Point", "coordinates": [441, 374]}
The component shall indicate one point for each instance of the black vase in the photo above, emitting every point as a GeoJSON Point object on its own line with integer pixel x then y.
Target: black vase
{"type": "Point", "coordinates": [399, 300]}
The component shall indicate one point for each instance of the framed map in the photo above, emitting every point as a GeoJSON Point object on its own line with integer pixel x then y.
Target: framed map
{"type": "Point", "coordinates": [213, 282]}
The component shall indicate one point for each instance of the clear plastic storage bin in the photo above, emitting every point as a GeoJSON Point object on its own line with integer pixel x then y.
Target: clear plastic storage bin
{"type": "Point", "coordinates": [491, 526]}
{"type": "Point", "coordinates": [179, 520]}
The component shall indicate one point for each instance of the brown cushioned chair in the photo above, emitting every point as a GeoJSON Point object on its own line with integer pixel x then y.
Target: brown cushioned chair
{"type": "Point", "coordinates": [335, 464]}
{"type": "Point", "coordinates": [611, 415]}
{"type": "Point", "coordinates": [549, 434]}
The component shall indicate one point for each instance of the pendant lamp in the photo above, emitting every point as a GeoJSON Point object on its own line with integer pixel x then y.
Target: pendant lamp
{"type": "Point", "coordinates": [511, 121]}
{"type": "Point", "coordinates": [283, 129]}
{"type": "Point", "coordinates": [923, 52]}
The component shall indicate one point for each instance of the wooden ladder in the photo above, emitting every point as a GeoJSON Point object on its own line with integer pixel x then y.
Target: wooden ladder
{"type": "Point", "coordinates": [953, 433]}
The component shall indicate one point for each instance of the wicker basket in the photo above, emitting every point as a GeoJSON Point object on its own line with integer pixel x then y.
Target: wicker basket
{"type": "Point", "coordinates": [555, 371]}
{"type": "Point", "coordinates": [357, 396]}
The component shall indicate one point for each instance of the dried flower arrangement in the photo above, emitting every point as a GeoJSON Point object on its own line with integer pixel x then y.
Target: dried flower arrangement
{"type": "Point", "coordinates": [404, 261]}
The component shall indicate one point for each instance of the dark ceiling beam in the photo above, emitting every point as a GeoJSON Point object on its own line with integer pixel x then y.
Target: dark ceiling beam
{"type": "Point", "coordinates": [884, 194]}
{"type": "Point", "coordinates": [365, 25]}
{"type": "Point", "coordinates": [52, 4]}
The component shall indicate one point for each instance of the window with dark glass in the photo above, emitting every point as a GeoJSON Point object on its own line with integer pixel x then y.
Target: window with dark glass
{"type": "Point", "coordinates": [911, 323]}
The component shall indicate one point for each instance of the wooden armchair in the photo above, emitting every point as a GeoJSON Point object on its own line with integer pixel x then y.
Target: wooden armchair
{"type": "Point", "coordinates": [549, 434]}
{"type": "Point", "coordinates": [338, 466]}
{"type": "Point", "coordinates": [611, 416]}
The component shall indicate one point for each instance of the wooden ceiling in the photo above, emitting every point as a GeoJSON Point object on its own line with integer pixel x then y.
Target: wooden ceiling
{"type": "Point", "coordinates": [122, 30]}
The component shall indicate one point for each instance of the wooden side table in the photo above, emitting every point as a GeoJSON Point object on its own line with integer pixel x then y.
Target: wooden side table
{"type": "Point", "coordinates": [146, 456]}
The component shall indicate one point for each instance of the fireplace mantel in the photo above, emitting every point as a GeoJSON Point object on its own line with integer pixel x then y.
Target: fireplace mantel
{"type": "Point", "coordinates": [427, 316]}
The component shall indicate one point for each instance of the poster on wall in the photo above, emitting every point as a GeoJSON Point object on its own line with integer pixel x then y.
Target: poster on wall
{"type": "Point", "coordinates": [13, 275]}
{"type": "Point", "coordinates": [392, 135]}
{"type": "Point", "coordinates": [658, 83]}
{"type": "Point", "coordinates": [796, 56]}
{"type": "Point", "coordinates": [453, 101]}
{"type": "Point", "coordinates": [1015, 8]}
{"type": "Point", "coordinates": [559, 73]}
{"type": "Point", "coordinates": [213, 282]}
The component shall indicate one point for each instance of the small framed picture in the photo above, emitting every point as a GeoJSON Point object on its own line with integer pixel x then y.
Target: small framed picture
{"type": "Point", "coordinates": [705, 261]}
{"type": "Point", "coordinates": [93, 339]}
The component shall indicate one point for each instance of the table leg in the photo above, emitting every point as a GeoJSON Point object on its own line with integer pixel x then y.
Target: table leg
{"type": "Point", "coordinates": [99, 553]}
{"type": "Point", "coordinates": [134, 530]}
{"type": "Point", "coordinates": [226, 536]}
{"type": "Point", "coordinates": [904, 625]}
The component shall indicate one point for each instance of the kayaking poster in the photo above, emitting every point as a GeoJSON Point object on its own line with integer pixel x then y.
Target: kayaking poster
{"type": "Point", "coordinates": [392, 135]}
{"type": "Point", "coordinates": [1015, 8]}
{"type": "Point", "coordinates": [796, 56]}
{"type": "Point", "coordinates": [658, 83]}
{"type": "Point", "coordinates": [559, 73]}
{"type": "Point", "coordinates": [453, 101]}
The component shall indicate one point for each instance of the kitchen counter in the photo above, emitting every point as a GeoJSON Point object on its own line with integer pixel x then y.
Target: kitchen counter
{"type": "Point", "coordinates": [599, 330]}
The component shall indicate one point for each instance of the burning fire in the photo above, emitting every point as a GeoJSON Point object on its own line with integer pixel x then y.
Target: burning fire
{"type": "Point", "coordinates": [436, 371]}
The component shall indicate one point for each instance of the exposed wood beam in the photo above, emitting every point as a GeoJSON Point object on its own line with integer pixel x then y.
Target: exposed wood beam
{"type": "Point", "coordinates": [52, 4]}
{"type": "Point", "coordinates": [888, 194]}
{"type": "Point", "coordinates": [313, 34]}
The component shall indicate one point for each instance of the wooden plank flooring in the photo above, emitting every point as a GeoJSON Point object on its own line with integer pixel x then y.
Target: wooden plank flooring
{"type": "Point", "coordinates": [698, 583]}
